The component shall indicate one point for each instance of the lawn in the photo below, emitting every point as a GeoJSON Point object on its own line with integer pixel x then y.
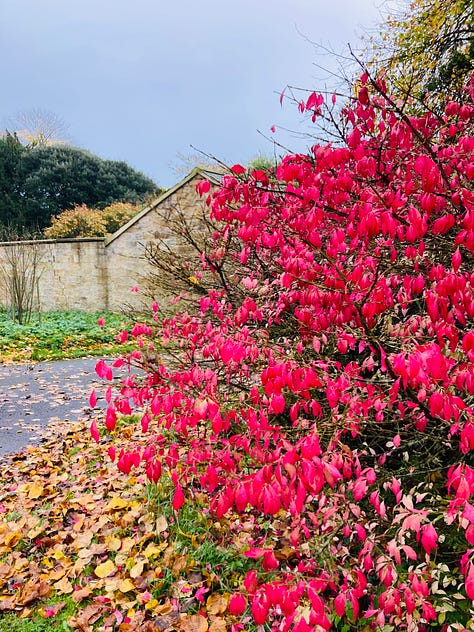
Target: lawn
{"type": "Point", "coordinates": [59, 335]}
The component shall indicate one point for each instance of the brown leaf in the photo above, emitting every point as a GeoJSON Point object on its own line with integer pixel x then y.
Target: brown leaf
{"type": "Point", "coordinates": [193, 623]}
{"type": "Point", "coordinates": [7, 603]}
{"type": "Point", "coordinates": [86, 617]}
{"type": "Point", "coordinates": [166, 622]}
{"type": "Point", "coordinates": [218, 625]}
{"type": "Point", "coordinates": [64, 586]}
{"type": "Point", "coordinates": [217, 603]}
{"type": "Point", "coordinates": [32, 590]}
{"type": "Point", "coordinates": [161, 524]}
{"type": "Point", "coordinates": [82, 593]}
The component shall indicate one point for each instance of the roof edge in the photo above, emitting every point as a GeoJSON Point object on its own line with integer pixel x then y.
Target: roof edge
{"type": "Point", "coordinates": [205, 173]}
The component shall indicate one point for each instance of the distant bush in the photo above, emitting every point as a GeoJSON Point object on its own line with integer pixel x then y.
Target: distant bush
{"type": "Point", "coordinates": [118, 214]}
{"type": "Point", "coordinates": [82, 221]}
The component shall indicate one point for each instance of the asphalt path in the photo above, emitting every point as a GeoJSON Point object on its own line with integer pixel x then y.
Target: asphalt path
{"type": "Point", "coordinates": [33, 397]}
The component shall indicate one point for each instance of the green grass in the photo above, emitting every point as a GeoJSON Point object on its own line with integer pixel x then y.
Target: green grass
{"type": "Point", "coordinates": [11, 622]}
{"type": "Point", "coordinates": [59, 335]}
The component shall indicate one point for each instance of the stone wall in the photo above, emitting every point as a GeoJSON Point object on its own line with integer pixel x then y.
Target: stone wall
{"type": "Point", "coordinates": [71, 273]}
{"type": "Point", "coordinates": [98, 274]}
{"type": "Point", "coordinates": [127, 265]}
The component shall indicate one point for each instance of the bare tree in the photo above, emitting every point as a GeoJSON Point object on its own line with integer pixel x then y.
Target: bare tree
{"type": "Point", "coordinates": [38, 127]}
{"type": "Point", "coordinates": [20, 269]}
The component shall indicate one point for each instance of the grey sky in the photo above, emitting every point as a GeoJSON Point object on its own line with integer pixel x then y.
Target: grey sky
{"type": "Point", "coordinates": [142, 80]}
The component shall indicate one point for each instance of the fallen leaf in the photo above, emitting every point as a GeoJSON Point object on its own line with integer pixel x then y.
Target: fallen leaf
{"type": "Point", "coordinates": [126, 585]}
{"type": "Point", "coordinates": [218, 625]}
{"type": "Point", "coordinates": [32, 590]}
{"type": "Point", "coordinates": [64, 586]}
{"type": "Point", "coordinates": [12, 539]}
{"type": "Point", "coordinates": [166, 621]}
{"type": "Point", "coordinates": [105, 569]}
{"type": "Point", "coordinates": [217, 603]}
{"type": "Point", "coordinates": [193, 623]}
{"type": "Point", "coordinates": [35, 491]}
{"type": "Point", "coordinates": [117, 503]}
{"type": "Point", "coordinates": [161, 524]}
{"type": "Point", "coordinates": [82, 593]}
{"type": "Point", "coordinates": [137, 569]}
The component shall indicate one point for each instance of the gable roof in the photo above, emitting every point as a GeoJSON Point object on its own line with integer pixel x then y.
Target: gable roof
{"type": "Point", "coordinates": [215, 177]}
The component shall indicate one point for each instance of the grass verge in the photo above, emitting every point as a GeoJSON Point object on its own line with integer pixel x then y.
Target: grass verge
{"type": "Point", "coordinates": [60, 335]}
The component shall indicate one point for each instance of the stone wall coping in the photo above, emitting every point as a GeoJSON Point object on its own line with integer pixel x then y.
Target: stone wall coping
{"type": "Point", "coordinates": [70, 240]}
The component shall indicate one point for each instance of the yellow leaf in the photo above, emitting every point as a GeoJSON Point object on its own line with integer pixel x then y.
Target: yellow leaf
{"type": "Point", "coordinates": [126, 585]}
{"type": "Point", "coordinates": [105, 569]}
{"type": "Point", "coordinates": [150, 605]}
{"type": "Point", "coordinates": [152, 550]}
{"type": "Point", "coordinates": [64, 586]}
{"type": "Point", "coordinates": [113, 543]}
{"type": "Point", "coordinates": [35, 491]}
{"type": "Point", "coordinates": [12, 539]}
{"type": "Point", "coordinates": [116, 503]}
{"type": "Point", "coordinates": [137, 569]}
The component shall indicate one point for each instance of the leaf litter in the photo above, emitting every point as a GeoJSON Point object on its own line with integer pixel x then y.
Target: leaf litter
{"type": "Point", "coordinates": [75, 528]}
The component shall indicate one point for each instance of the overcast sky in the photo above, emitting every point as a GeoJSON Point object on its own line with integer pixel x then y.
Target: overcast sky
{"type": "Point", "coordinates": [143, 80]}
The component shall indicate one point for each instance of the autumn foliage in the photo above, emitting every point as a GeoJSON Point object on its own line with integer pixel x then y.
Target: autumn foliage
{"type": "Point", "coordinates": [322, 390]}
{"type": "Point", "coordinates": [82, 221]}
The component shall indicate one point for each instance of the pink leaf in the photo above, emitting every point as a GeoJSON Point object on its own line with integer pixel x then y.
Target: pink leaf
{"type": "Point", "coordinates": [429, 537]}
{"type": "Point", "coordinates": [93, 399]}
{"type": "Point", "coordinates": [94, 431]}
{"type": "Point", "coordinates": [178, 498]}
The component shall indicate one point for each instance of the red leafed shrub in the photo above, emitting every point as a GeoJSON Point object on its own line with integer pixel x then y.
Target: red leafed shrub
{"type": "Point", "coordinates": [327, 379]}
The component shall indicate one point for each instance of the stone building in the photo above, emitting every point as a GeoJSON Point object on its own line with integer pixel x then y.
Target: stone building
{"type": "Point", "coordinates": [94, 274]}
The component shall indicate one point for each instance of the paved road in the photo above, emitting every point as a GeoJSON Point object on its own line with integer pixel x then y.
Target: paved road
{"type": "Point", "coordinates": [35, 395]}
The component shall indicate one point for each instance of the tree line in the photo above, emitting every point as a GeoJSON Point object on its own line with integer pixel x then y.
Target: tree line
{"type": "Point", "coordinates": [39, 181]}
